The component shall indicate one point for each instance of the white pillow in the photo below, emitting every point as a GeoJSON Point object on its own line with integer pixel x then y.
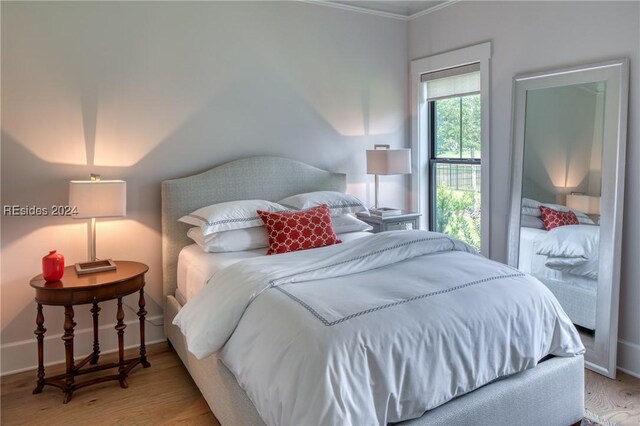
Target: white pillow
{"type": "Point", "coordinates": [347, 223]}
{"type": "Point", "coordinates": [234, 240]}
{"type": "Point", "coordinates": [571, 241]}
{"type": "Point", "coordinates": [531, 211]}
{"type": "Point", "coordinates": [528, 202]}
{"type": "Point", "coordinates": [339, 203]}
{"type": "Point", "coordinates": [230, 215]}
{"type": "Point", "coordinates": [575, 266]}
{"type": "Point", "coordinates": [531, 222]}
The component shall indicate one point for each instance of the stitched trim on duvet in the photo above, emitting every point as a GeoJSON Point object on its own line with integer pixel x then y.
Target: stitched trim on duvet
{"type": "Point", "coordinates": [399, 302]}
{"type": "Point", "coordinates": [273, 282]}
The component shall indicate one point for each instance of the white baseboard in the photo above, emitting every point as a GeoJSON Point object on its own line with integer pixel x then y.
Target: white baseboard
{"type": "Point", "coordinates": [629, 357]}
{"type": "Point", "coordinates": [23, 355]}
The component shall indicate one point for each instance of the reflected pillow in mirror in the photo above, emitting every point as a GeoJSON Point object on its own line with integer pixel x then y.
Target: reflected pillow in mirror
{"type": "Point", "coordinates": [532, 208]}
{"type": "Point", "coordinates": [531, 222]}
{"type": "Point", "coordinates": [554, 218]}
{"type": "Point", "coordinates": [528, 202]}
{"type": "Point", "coordinates": [574, 241]}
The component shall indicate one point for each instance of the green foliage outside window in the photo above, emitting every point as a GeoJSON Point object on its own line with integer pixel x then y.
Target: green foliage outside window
{"type": "Point", "coordinates": [457, 216]}
{"type": "Point", "coordinates": [452, 116]}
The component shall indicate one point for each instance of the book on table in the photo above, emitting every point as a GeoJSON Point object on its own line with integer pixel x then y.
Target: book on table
{"type": "Point", "coordinates": [385, 212]}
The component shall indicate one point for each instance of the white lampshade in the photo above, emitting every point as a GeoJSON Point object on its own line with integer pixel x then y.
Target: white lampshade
{"type": "Point", "coordinates": [584, 203]}
{"type": "Point", "coordinates": [388, 161]}
{"type": "Point", "coordinates": [98, 198]}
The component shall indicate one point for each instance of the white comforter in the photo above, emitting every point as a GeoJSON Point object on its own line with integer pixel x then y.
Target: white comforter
{"type": "Point", "coordinates": [419, 320]}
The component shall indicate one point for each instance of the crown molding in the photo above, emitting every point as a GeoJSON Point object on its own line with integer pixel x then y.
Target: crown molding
{"type": "Point", "coordinates": [391, 15]}
{"type": "Point", "coordinates": [433, 9]}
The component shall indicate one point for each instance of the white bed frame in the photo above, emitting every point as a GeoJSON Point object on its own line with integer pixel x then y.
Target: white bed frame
{"type": "Point", "coordinates": [550, 394]}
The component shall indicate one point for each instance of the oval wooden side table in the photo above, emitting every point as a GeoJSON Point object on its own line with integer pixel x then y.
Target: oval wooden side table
{"type": "Point", "coordinates": [93, 288]}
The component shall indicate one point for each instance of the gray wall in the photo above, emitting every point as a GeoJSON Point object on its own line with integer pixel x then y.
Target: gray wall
{"type": "Point", "coordinates": [536, 36]}
{"type": "Point", "coordinates": [559, 143]}
{"type": "Point", "coordinates": [146, 91]}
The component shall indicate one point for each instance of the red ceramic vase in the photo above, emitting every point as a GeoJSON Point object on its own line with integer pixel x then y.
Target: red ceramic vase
{"type": "Point", "coordinates": [53, 266]}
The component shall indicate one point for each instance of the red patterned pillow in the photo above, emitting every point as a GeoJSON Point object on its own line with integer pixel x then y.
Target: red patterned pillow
{"type": "Point", "coordinates": [554, 218]}
{"type": "Point", "coordinates": [299, 230]}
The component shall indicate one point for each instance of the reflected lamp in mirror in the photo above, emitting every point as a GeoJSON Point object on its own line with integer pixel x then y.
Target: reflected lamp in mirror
{"type": "Point", "coordinates": [382, 160]}
{"type": "Point", "coordinates": [588, 204]}
{"type": "Point", "coordinates": [95, 199]}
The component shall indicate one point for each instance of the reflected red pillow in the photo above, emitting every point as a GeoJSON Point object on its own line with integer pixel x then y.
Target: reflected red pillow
{"type": "Point", "coordinates": [554, 218]}
{"type": "Point", "coordinates": [299, 230]}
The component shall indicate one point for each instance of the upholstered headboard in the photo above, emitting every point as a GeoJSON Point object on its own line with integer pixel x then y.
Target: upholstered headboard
{"type": "Point", "coordinates": [254, 178]}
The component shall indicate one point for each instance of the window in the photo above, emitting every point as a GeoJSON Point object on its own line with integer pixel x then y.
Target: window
{"type": "Point", "coordinates": [450, 143]}
{"type": "Point", "coordinates": [453, 108]}
{"type": "Point", "coordinates": [454, 167]}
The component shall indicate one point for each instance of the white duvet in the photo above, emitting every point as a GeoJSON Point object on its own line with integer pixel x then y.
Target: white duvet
{"type": "Point", "coordinates": [375, 330]}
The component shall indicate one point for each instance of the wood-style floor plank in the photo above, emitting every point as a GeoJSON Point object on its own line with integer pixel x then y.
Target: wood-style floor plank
{"type": "Point", "coordinates": [617, 401]}
{"type": "Point", "coordinates": [161, 394]}
{"type": "Point", "coordinates": [165, 394]}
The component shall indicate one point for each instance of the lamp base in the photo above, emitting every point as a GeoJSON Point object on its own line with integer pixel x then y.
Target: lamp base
{"type": "Point", "coordinates": [95, 266]}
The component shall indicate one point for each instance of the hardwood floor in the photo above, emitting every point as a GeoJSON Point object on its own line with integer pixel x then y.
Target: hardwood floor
{"type": "Point", "coordinates": [165, 394]}
{"type": "Point", "coordinates": [617, 401]}
{"type": "Point", "coordinates": [159, 395]}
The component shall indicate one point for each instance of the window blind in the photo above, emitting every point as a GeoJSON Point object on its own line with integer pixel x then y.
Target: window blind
{"type": "Point", "coordinates": [450, 82]}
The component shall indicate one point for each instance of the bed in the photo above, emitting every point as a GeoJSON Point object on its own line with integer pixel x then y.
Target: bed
{"type": "Point", "coordinates": [565, 259]}
{"type": "Point", "coordinates": [551, 393]}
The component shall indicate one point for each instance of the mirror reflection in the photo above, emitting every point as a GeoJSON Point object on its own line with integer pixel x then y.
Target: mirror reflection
{"type": "Point", "coordinates": [561, 189]}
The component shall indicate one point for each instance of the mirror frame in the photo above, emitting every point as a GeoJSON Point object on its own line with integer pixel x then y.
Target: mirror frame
{"type": "Point", "coordinates": [602, 357]}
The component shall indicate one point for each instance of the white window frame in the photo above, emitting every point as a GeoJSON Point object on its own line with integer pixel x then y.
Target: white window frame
{"type": "Point", "coordinates": [420, 131]}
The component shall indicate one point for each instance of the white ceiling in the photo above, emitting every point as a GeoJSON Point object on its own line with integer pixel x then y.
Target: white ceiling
{"type": "Point", "coordinates": [396, 7]}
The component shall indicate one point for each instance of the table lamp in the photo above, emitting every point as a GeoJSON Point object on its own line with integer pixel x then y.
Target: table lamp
{"type": "Point", "coordinates": [94, 199]}
{"type": "Point", "coordinates": [382, 160]}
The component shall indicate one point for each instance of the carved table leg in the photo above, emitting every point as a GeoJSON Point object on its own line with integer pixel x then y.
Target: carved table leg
{"type": "Point", "coordinates": [96, 345]}
{"type": "Point", "coordinates": [39, 332]}
{"type": "Point", "coordinates": [120, 328]}
{"type": "Point", "coordinates": [67, 337]}
{"type": "Point", "coordinates": [141, 314]}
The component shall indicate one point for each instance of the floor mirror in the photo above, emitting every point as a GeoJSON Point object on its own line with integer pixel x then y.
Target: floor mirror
{"type": "Point", "coordinates": [565, 228]}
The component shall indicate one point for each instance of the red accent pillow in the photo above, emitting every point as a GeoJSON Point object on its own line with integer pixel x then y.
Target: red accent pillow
{"type": "Point", "coordinates": [299, 230]}
{"type": "Point", "coordinates": [554, 218]}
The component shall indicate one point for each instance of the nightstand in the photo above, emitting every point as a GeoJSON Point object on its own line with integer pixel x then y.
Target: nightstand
{"type": "Point", "coordinates": [93, 288]}
{"type": "Point", "coordinates": [405, 220]}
